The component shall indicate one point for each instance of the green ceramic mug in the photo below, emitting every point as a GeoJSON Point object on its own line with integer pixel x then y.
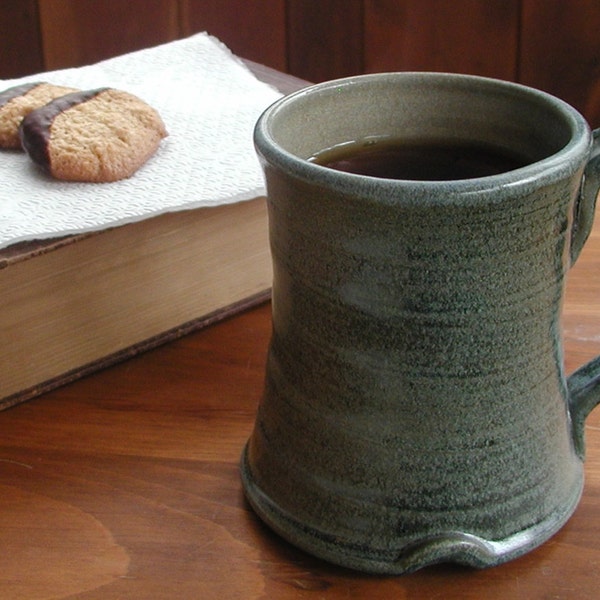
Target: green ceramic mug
{"type": "Point", "coordinates": [416, 408]}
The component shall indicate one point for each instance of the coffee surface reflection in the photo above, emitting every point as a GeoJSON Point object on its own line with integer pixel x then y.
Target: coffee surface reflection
{"type": "Point", "coordinates": [437, 160]}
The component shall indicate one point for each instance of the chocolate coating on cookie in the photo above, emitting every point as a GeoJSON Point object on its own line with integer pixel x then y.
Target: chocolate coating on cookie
{"type": "Point", "coordinates": [16, 91]}
{"type": "Point", "coordinates": [34, 130]}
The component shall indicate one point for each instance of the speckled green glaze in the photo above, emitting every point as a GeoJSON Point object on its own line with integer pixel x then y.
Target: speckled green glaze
{"type": "Point", "coordinates": [416, 408]}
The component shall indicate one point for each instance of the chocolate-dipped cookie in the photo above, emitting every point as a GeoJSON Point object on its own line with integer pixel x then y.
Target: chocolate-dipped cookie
{"type": "Point", "coordinates": [97, 135]}
{"type": "Point", "coordinates": [18, 101]}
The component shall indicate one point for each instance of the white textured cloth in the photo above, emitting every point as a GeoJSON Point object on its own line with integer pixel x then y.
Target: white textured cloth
{"type": "Point", "coordinates": [209, 102]}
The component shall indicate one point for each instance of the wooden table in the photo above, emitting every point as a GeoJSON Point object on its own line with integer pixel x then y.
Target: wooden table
{"type": "Point", "coordinates": [125, 485]}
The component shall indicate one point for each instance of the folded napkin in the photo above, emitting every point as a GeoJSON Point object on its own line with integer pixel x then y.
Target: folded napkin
{"type": "Point", "coordinates": [209, 102]}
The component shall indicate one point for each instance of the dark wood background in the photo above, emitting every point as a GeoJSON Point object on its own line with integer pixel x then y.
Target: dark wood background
{"type": "Point", "coordinates": [550, 44]}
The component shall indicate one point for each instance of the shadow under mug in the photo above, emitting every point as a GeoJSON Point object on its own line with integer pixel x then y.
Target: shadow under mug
{"type": "Point", "coordinates": [416, 408]}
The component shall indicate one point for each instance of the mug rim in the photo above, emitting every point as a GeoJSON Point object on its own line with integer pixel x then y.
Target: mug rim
{"type": "Point", "coordinates": [562, 163]}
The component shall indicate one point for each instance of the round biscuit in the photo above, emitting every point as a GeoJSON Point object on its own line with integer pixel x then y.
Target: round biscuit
{"type": "Point", "coordinates": [18, 101]}
{"type": "Point", "coordinates": [98, 135]}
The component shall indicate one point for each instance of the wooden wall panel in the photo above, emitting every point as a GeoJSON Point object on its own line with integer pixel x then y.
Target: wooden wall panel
{"type": "Point", "coordinates": [560, 51]}
{"type": "Point", "coordinates": [20, 48]}
{"type": "Point", "coordinates": [77, 32]}
{"type": "Point", "coordinates": [550, 44]}
{"type": "Point", "coordinates": [468, 36]}
{"type": "Point", "coordinates": [325, 38]}
{"type": "Point", "coordinates": [252, 29]}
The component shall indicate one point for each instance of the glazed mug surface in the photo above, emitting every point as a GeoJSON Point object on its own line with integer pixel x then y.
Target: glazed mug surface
{"type": "Point", "coordinates": [416, 408]}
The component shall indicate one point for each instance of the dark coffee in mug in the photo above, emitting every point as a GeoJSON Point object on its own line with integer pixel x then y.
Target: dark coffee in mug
{"type": "Point", "coordinates": [436, 160]}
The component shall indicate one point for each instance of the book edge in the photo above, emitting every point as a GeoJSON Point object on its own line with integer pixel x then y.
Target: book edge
{"type": "Point", "coordinates": [138, 348]}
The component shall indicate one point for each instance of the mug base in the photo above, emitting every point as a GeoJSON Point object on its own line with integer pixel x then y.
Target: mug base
{"type": "Point", "coordinates": [449, 547]}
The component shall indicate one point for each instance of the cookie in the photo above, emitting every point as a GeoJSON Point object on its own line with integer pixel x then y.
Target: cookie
{"type": "Point", "coordinates": [97, 135]}
{"type": "Point", "coordinates": [16, 102]}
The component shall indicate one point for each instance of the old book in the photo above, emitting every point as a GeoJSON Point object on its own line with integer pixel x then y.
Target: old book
{"type": "Point", "coordinates": [72, 305]}
{"type": "Point", "coordinates": [83, 302]}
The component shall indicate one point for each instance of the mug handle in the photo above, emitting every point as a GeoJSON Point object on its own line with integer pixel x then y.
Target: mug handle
{"type": "Point", "coordinates": [583, 213]}
{"type": "Point", "coordinates": [584, 395]}
{"type": "Point", "coordinates": [584, 385]}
